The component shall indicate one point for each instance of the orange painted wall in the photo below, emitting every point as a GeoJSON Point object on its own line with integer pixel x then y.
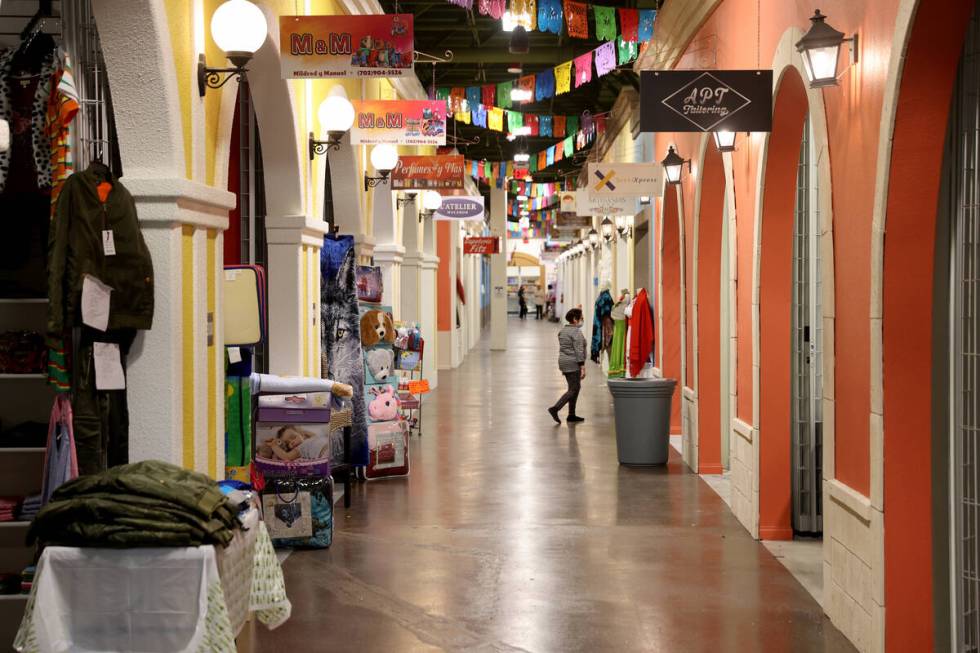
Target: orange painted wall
{"type": "Point", "coordinates": [920, 130]}
{"type": "Point", "coordinates": [775, 307]}
{"type": "Point", "coordinates": [853, 119]}
{"type": "Point", "coordinates": [670, 339]}
{"type": "Point", "coordinates": [445, 276]}
{"type": "Point", "coordinates": [709, 315]}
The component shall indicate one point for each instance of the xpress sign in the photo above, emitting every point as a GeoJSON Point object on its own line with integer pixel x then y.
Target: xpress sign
{"type": "Point", "coordinates": [629, 180]}
{"type": "Point", "coordinates": [706, 100]}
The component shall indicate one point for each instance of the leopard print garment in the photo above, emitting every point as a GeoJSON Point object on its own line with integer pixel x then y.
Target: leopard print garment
{"type": "Point", "coordinates": [42, 148]}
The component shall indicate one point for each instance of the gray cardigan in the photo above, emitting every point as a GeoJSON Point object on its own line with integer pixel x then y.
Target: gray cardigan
{"type": "Point", "coordinates": [571, 349]}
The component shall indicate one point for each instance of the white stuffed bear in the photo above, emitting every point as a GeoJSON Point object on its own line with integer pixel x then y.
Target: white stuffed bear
{"type": "Point", "coordinates": [380, 362]}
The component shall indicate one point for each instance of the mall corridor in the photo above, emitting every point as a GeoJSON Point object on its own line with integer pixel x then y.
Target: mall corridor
{"type": "Point", "coordinates": [514, 534]}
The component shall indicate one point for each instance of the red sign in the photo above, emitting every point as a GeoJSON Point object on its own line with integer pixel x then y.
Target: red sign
{"type": "Point", "coordinates": [481, 245]}
{"type": "Point", "coordinates": [427, 172]}
{"type": "Point", "coordinates": [419, 387]}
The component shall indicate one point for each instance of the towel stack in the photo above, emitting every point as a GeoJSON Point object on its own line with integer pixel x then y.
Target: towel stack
{"type": "Point", "coordinates": [29, 508]}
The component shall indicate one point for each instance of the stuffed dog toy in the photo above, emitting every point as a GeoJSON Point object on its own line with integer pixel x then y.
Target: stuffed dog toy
{"type": "Point", "coordinates": [376, 326]}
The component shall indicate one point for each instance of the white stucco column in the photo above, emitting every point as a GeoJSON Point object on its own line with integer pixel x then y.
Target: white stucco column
{"type": "Point", "coordinates": [388, 251]}
{"type": "Point", "coordinates": [450, 354]}
{"type": "Point", "coordinates": [294, 244]}
{"type": "Point", "coordinates": [498, 270]}
{"type": "Point", "coordinates": [428, 302]}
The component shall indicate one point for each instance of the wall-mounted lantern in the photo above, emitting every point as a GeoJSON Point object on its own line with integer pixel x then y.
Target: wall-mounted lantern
{"type": "Point", "coordinates": [238, 27]}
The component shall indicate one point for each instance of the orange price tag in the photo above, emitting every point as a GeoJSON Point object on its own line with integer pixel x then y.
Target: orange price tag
{"type": "Point", "coordinates": [418, 387]}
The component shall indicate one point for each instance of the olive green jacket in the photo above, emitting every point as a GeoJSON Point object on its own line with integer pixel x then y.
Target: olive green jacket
{"type": "Point", "coordinates": [75, 248]}
{"type": "Point", "coordinates": [149, 503]}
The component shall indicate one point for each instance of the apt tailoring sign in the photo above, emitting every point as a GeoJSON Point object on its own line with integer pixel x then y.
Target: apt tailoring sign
{"type": "Point", "coordinates": [399, 122]}
{"type": "Point", "coordinates": [630, 180]}
{"type": "Point", "coordinates": [706, 100]}
{"type": "Point", "coordinates": [460, 207]}
{"type": "Point", "coordinates": [481, 245]}
{"type": "Point", "coordinates": [375, 45]}
{"type": "Point", "coordinates": [444, 171]}
{"type": "Point", "coordinates": [590, 204]}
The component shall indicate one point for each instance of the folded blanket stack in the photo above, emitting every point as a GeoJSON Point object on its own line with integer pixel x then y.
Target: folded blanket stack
{"type": "Point", "coordinates": [149, 503]}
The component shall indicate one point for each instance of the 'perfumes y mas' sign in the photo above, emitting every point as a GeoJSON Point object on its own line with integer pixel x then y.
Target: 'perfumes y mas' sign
{"type": "Point", "coordinates": [377, 45]}
{"type": "Point", "coordinates": [706, 100]}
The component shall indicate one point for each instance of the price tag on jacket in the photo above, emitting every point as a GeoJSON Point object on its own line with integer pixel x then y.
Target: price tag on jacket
{"type": "Point", "coordinates": [95, 303]}
{"type": "Point", "coordinates": [108, 366]}
{"type": "Point", "coordinates": [108, 243]}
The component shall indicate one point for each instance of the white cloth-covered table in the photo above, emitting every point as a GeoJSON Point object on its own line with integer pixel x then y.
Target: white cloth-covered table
{"type": "Point", "coordinates": [148, 600]}
{"type": "Point", "coordinates": [236, 564]}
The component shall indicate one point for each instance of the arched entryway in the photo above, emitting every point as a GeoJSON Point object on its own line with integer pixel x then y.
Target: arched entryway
{"type": "Point", "coordinates": [775, 305]}
{"type": "Point", "coordinates": [912, 277]}
{"type": "Point", "coordinates": [708, 225]}
{"type": "Point", "coordinates": [670, 339]}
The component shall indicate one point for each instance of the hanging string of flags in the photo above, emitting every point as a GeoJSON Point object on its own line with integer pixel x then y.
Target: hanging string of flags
{"type": "Point", "coordinates": [543, 85]}
{"type": "Point", "coordinates": [496, 172]}
{"type": "Point", "coordinates": [506, 121]}
{"type": "Point", "coordinates": [554, 15]}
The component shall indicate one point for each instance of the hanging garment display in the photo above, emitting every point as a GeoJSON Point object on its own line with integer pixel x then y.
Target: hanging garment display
{"type": "Point", "coordinates": [600, 318]}
{"type": "Point", "coordinates": [641, 334]}
{"type": "Point", "coordinates": [617, 349]}
{"type": "Point", "coordinates": [341, 345]}
{"type": "Point", "coordinates": [60, 462]}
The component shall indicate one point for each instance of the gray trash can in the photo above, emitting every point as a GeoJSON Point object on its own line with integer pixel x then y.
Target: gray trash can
{"type": "Point", "coordinates": [642, 409]}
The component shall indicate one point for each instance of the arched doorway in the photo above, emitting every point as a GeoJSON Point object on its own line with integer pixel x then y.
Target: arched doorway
{"type": "Point", "coordinates": [921, 275]}
{"type": "Point", "coordinates": [670, 339]}
{"type": "Point", "coordinates": [775, 273]}
{"type": "Point", "coordinates": [708, 291]}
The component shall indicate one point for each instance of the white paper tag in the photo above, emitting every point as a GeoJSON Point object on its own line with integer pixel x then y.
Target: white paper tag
{"type": "Point", "coordinates": [108, 366]}
{"type": "Point", "coordinates": [234, 355]}
{"type": "Point", "coordinates": [231, 275]}
{"type": "Point", "coordinates": [108, 243]}
{"type": "Point", "coordinates": [95, 303]}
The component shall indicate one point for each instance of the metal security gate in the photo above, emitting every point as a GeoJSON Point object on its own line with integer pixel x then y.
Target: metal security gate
{"type": "Point", "coordinates": [964, 187]}
{"type": "Point", "coordinates": [807, 381]}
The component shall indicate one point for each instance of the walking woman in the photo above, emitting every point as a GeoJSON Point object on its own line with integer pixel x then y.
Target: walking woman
{"type": "Point", "coordinates": [571, 362]}
{"type": "Point", "coordinates": [522, 302]}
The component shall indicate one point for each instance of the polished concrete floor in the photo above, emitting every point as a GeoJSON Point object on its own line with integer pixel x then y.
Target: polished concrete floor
{"type": "Point", "coordinates": [514, 534]}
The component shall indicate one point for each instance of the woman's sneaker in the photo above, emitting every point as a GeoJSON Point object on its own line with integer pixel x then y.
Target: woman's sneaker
{"type": "Point", "coordinates": [554, 414]}
{"type": "Point", "coordinates": [574, 419]}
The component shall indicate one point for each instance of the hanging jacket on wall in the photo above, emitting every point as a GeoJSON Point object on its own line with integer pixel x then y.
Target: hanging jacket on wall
{"type": "Point", "coordinates": [641, 334]}
{"type": "Point", "coordinates": [75, 248]}
{"type": "Point", "coordinates": [603, 309]}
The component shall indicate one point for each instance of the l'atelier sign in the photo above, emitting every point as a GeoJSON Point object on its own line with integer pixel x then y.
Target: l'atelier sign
{"type": "Point", "coordinates": [706, 100]}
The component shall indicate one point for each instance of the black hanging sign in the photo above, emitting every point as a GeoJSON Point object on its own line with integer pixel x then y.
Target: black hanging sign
{"type": "Point", "coordinates": [706, 100]}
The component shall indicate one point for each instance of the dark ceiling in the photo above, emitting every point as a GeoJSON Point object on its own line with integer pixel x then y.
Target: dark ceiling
{"type": "Point", "coordinates": [481, 56]}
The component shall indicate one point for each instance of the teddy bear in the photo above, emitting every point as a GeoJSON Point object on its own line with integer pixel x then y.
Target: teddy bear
{"type": "Point", "coordinates": [379, 363]}
{"type": "Point", "coordinates": [376, 326]}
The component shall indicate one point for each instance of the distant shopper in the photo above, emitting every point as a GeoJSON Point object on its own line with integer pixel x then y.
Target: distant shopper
{"type": "Point", "coordinates": [571, 362]}
{"type": "Point", "coordinates": [540, 299]}
{"type": "Point", "coordinates": [522, 302]}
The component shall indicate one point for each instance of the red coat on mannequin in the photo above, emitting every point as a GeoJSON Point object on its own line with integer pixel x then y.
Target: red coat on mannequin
{"type": "Point", "coordinates": [641, 334]}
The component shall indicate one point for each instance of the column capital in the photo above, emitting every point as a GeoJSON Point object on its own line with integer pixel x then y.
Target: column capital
{"type": "Point", "coordinates": [389, 253]}
{"type": "Point", "coordinates": [295, 230]}
{"type": "Point", "coordinates": [170, 202]}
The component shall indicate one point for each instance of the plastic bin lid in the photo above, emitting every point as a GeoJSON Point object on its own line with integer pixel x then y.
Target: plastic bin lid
{"type": "Point", "coordinates": [620, 384]}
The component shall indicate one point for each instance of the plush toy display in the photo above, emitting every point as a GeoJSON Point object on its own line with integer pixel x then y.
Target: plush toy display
{"type": "Point", "coordinates": [384, 406]}
{"type": "Point", "coordinates": [379, 364]}
{"type": "Point", "coordinates": [376, 327]}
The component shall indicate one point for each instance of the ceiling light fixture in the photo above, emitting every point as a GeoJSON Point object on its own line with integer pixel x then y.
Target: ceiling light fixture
{"type": "Point", "coordinates": [520, 43]}
{"type": "Point", "coordinates": [520, 95]}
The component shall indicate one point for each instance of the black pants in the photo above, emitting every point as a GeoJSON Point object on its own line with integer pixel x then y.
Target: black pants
{"type": "Point", "coordinates": [101, 417]}
{"type": "Point", "coordinates": [574, 380]}
{"type": "Point", "coordinates": [523, 313]}
{"type": "Point", "coordinates": [538, 311]}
